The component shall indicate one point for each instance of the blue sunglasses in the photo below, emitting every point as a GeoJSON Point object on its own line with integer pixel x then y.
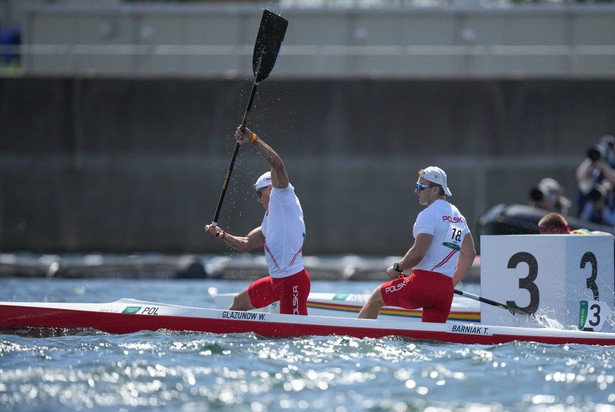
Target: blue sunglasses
{"type": "Point", "coordinates": [420, 187]}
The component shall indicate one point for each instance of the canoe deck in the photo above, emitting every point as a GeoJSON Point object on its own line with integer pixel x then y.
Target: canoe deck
{"type": "Point", "coordinates": [349, 305]}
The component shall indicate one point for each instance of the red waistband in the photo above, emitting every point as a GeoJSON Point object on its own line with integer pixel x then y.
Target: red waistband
{"type": "Point", "coordinates": [422, 272]}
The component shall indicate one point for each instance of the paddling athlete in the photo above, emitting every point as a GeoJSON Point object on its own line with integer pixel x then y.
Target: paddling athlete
{"type": "Point", "coordinates": [281, 234]}
{"type": "Point", "coordinates": [441, 256]}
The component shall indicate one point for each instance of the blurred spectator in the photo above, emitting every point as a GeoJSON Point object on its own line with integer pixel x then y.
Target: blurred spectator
{"type": "Point", "coordinates": [598, 168]}
{"type": "Point", "coordinates": [556, 224]}
{"type": "Point", "coordinates": [608, 142]}
{"type": "Point", "coordinates": [596, 208]}
{"type": "Point", "coordinates": [549, 195]}
{"type": "Point", "coordinates": [554, 193]}
{"type": "Point", "coordinates": [553, 224]}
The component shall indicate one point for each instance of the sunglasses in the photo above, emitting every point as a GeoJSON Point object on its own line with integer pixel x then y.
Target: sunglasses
{"type": "Point", "coordinates": [420, 187]}
{"type": "Point", "coordinates": [259, 192]}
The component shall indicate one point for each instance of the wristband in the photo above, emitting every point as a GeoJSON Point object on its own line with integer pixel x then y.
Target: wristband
{"type": "Point", "coordinates": [396, 267]}
{"type": "Point", "coordinates": [222, 234]}
{"type": "Point", "coordinates": [253, 138]}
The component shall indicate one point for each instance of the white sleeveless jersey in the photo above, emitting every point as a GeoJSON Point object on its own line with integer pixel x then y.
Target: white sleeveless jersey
{"type": "Point", "coordinates": [448, 227]}
{"type": "Point", "coordinates": [284, 231]}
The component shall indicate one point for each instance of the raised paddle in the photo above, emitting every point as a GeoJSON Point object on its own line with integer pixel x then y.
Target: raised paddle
{"type": "Point", "coordinates": [512, 310]}
{"type": "Point", "coordinates": [268, 42]}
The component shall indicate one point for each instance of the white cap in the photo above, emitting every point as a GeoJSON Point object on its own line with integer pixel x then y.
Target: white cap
{"type": "Point", "coordinates": [548, 184]}
{"type": "Point", "coordinates": [263, 181]}
{"type": "Point", "coordinates": [436, 175]}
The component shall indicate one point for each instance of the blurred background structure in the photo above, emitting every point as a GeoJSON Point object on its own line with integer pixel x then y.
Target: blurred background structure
{"type": "Point", "coordinates": [116, 117]}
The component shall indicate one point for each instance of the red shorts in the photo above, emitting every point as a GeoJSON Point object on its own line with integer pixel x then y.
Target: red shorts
{"type": "Point", "coordinates": [431, 291]}
{"type": "Point", "coordinates": [291, 291]}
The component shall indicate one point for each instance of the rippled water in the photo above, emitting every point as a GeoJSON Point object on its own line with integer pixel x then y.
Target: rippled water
{"type": "Point", "coordinates": [242, 372]}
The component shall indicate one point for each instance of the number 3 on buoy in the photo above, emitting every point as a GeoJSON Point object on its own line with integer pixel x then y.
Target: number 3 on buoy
{"type": "Point", "coordinates": [593, 314]}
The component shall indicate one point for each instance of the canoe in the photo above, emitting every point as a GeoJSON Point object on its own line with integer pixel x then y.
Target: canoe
{"type": "Point", "coordinates": [128, 316]}
{"type": "Point", "coordinates": [349, 304]}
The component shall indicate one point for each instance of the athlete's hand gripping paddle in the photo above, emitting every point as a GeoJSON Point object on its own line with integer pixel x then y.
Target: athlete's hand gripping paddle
{"type": "Point", "coordinates": [268, 42]}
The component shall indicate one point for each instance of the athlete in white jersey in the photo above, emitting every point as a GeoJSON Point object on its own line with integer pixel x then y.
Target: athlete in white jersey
{"type": "Point", "coordinates": [281, 234]}
{"type": "Point", "coordinates": [284, 231]}
{"type": "Point", "coordinates": [442, 254]}
{"type": "Point", "coordinates": [448, 227]}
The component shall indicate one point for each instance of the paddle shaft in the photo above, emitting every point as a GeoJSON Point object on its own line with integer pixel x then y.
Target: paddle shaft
{"type": "Point", "coordinates": [268, 42]}
{"type": "Point", "coordinates": [490, 302]}
{"type": "Point", "coordinates": [231, 165]}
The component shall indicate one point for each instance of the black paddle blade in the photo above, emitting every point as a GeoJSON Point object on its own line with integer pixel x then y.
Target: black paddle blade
{"type": "Point", "coordinates": [268, 42]}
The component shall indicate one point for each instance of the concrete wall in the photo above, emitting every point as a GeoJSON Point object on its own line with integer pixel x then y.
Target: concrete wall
{"type": "Point", "coordinates": [137, 165]}
{"type": "Point", "coordinates": [216, 41]}
{"type": "Point", "coordinates": [118, 135]}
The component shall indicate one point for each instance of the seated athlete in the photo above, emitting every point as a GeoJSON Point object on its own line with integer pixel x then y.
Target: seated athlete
{"type": "Point", "coordinates": [281, 234]}
{"type": "Point", "coordinates": [441, 256]}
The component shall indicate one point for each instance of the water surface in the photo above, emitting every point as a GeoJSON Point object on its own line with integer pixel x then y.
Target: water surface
{"type": "Point", "coordinates": [242, 372]}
